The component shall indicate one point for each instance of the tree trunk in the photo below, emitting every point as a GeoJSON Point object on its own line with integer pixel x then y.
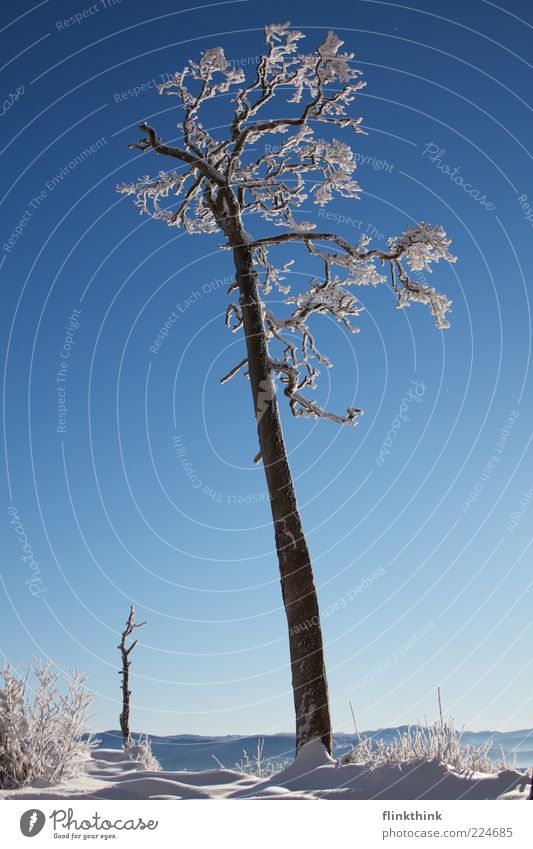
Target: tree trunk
{"type": "Point", "coordinates": [124, 717]}
{"type": "Point", "coordinates": [126, 693]}
{"type": "Point", "coordinates": [299, 595]}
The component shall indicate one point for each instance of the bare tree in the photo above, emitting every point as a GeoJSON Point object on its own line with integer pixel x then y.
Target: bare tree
{"type": "Point", "coordinates": [219, 181]}
{"type": "Point", "coordinates": [125, 652]}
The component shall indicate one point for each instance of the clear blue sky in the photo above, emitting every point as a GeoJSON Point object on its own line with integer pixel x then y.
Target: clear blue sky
{"type": "Point", "coordinates": [110, 514]}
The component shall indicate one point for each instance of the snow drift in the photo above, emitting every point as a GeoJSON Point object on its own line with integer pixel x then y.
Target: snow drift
{"type": "Point", "coordinates": [110, 774]}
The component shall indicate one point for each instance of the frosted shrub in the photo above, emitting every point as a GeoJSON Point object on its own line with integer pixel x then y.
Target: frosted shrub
{"type": "Point", "coordinates": [43, 735]}
{"type": "Point", "coordinates": [438, 742]}
{"type": "Point", "coordinates": [259, 766]}
{"type": "Point", "coordinates": [15, 764]}
{"type": "Point", "coordinates": [142, 752]}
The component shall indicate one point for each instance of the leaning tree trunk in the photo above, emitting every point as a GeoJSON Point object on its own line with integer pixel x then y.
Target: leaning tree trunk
{"type": "Point", "coordinates": [309, 680]}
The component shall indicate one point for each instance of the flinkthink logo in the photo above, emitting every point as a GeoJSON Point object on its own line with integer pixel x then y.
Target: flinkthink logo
{"type": "Point", "coordinates": [32, 822]}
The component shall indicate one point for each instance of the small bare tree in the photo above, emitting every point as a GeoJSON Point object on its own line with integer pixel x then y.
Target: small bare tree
{"type": "Point", "coordinates": [219, 181]}
{"type": "Point", "coordinates": [125, 652]}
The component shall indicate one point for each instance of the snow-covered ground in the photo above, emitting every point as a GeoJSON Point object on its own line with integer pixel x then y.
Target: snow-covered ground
{"type": "Point", "coordinates": [109, 774]}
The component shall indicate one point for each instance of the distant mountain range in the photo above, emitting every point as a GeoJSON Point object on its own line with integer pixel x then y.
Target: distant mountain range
{"type": "Point", "coordinates": [194, 752]}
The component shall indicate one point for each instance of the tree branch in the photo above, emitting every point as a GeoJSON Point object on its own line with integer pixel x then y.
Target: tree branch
{"type": "Point", "coordinates": [234, 371]}
{"type": "Point", "coordinates": [153, 142]}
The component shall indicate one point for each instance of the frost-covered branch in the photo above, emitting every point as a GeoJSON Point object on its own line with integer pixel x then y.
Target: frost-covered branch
{"type": "Point", "coordinates": [291, 96]}
{"type": "Point", "coordinates": [291, 377]}
{"type": "Point", "coordinates": [418, 246]}
{"type": "Point", "coordinates": [296, 368]}
{"type": "Point", "coordinates": [276, 182]}
{"type": "Point", "coordinates": [234, 371]}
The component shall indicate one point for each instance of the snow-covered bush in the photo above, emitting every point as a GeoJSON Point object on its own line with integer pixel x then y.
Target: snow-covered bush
{"type": "Point", "coordinates": [141, 751]}
{"type": "Point", "coordinates": [43, 735]}
{"type": "Point", "coordinates": [15, 764]}
{"type": "Point", "coordinates": [438, 742]}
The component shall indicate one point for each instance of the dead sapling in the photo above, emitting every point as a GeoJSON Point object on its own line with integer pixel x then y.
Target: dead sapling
{"type": "Point", "coordinates": [125, 651]}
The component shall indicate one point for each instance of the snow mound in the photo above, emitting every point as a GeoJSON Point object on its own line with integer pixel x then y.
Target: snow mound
{"type": "Point", "coordinates": [313, 775]}
{"type": "Point", "coordinates": [309, 757]}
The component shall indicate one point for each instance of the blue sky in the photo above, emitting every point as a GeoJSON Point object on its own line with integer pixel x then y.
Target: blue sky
{"type": "Point", "coordinates": [113, 513]}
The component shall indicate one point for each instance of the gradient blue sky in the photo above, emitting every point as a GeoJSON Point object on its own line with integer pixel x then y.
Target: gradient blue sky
{"type": "Point", "coordinates": [107, 506]}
